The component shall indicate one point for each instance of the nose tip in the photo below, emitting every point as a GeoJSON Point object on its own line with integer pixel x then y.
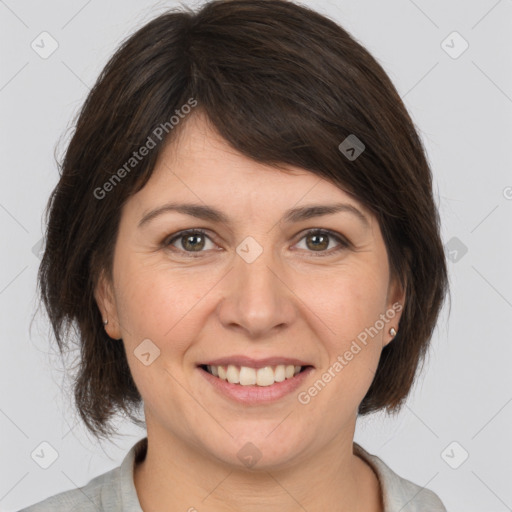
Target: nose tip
{"type": "Point", "coordinates": [256, 297]}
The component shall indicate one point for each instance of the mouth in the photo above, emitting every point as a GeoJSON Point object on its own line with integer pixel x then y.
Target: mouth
{"type": "Point", "coordinates": [261, 376]}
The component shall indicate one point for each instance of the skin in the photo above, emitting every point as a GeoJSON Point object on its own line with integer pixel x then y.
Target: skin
{"type": "Point", "coordinates": [291, 301]}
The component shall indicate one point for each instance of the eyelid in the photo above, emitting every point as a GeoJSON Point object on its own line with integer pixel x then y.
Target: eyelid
{"type": "Point", "coordinates": [342, 241]}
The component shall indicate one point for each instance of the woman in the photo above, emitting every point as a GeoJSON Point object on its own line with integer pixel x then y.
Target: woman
{"type": "Point", "coordinates": [245, 237]}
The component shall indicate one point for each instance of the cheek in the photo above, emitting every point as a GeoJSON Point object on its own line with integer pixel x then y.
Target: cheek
{"type": "Point", "coordinates": [351, 309]}
{"type": "Point", "coordinates": [161, 304]}
{"type": "Point", "coordinates": [349, 302]}
{"type": "Point", "coordinates": [163, 307]}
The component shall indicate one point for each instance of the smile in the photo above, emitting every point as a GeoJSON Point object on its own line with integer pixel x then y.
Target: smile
{"type": "Point", "coordinates": [255, 386]}
{"type": "Point", "coordinates": [247, 376]}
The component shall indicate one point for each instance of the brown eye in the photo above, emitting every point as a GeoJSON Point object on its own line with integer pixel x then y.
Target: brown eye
{"type": "Point", "coordinates": [189, 241]}
{"type": "Point", "coordinates": [318, 240]}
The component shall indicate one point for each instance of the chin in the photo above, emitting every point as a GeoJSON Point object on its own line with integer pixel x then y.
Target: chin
{"type": "Point", "coordinates": [259, 451]}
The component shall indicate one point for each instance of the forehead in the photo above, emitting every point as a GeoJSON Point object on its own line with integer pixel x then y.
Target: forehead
{"type": "Point", "coordinates": [200, 165]}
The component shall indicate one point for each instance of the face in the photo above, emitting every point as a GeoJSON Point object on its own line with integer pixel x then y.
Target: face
{"type": "Point", "coordinates": [258, 284]}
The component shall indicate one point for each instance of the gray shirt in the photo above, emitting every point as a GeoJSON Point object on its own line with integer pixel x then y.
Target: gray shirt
{"type": "Point", "coordinates": [115, 491]}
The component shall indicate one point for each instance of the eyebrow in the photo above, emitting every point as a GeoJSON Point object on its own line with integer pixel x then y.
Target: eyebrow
{"type": "Point", "coordinates": [298, 214]}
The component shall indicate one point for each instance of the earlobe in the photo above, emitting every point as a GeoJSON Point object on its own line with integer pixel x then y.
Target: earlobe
{"type": "Point", "coordinates": [396, 305]}
{"type": "Point", "coordinates": [390, 335]}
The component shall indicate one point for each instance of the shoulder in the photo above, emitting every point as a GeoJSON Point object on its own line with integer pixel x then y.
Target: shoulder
{"type": "Point", "coordinates": [109, 492]}
{"type": "Point", "coordinates": [88, 498]}
{"type": "Point", "coordinates": [399, 493]}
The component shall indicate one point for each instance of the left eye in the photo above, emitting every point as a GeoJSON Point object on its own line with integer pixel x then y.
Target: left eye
{"type": "Point", "coordinates": [193, 241]}
{"type": "Point", "coordinates": [320, 240]}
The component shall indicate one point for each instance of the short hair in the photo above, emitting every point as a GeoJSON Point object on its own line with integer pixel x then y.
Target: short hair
{"type": "Point", "coordinates": [283, 85]}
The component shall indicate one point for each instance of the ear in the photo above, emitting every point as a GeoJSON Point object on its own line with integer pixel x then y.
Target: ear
{"type": "Point", "coordinates": [105, 299]}
{"type": "Point", "coordinates": [394, 308]}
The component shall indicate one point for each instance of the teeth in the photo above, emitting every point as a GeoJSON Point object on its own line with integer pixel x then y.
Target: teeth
{"type": "Point", "coordinates": [264, 376]}
{"type": "Point", "coordinates": [280, 373]}
{"type": "Point", "coordinates": [246, 376]}
{"type": "Point", "coordinates": [233, 375]}
{"type": "Point", "coordinates": [222, 372]}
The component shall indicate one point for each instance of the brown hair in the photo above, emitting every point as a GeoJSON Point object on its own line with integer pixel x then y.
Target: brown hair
{"type": "Point", "coordinates": [283, 85]}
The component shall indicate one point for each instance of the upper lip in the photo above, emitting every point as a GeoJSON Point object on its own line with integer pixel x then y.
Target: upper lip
{"type": "Point", "coordinates": [254, 363]}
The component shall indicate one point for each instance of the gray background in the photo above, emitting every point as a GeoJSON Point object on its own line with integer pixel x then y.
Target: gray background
{"type": "Point", "coordinates": [462, 105]}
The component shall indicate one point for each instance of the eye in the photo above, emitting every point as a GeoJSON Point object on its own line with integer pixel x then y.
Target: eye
{"type": "Point", "coordinates": [320, 241]}
{"type": "Point", "coordinates": [192, 240]}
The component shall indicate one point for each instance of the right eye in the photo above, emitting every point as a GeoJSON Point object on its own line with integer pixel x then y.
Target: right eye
{"type": "Point", "coordinates": [192, 241]}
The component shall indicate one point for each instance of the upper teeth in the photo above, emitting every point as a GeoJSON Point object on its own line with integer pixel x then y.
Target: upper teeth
{"type": "Point", "coordinates": [247, 376]}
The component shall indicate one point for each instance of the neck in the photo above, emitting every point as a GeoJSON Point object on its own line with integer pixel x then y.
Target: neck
{"type": "Point", "coordinates": [175, 476]}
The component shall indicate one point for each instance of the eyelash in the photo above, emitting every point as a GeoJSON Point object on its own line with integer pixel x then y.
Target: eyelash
{"type": "Point", "coordinates": [316, 231]}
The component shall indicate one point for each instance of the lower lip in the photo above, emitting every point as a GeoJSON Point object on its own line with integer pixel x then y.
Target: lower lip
{"type": "Point", "coordinates": [255, 395]}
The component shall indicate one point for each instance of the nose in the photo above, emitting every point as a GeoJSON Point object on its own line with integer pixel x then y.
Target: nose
{"type": "Point", "coordinates": [257, 300]}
